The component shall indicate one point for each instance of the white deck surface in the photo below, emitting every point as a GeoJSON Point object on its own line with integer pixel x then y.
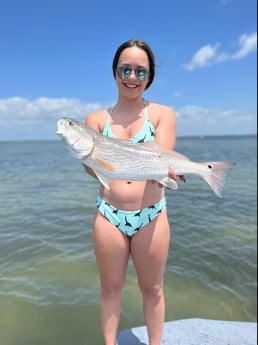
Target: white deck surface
{"type": "Point", "coordinates": [196, 332]}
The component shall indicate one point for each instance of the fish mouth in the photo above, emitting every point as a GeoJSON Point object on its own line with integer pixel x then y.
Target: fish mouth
{"type": "Point", "coordinates": [58, 132]}
{"type": "Point", "coordinates": [59, 127]}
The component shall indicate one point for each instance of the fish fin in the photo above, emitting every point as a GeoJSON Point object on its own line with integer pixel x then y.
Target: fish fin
{"type": "Point", "coordinates": [126, 141]}
{"type": "Point", "coordinates": [169, 182]}
{"type": "Point", "coordinates": [149, 145]}
{"type": "Point", "coordinates": [216, 179]}
{"type": "Point", "coordinates": [179, 155]}
{"type": "Point", "coordinates": [102, 179]}
{"type": "Point", "coordinates": [153, 146]}
{"type": "Point", "coordinates": [104, 164]}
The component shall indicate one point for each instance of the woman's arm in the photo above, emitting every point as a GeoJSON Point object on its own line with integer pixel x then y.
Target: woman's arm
{"type": "Point", "coordinates": [92, 123]}
{"type": "Point", "coordinates": [166, 134]}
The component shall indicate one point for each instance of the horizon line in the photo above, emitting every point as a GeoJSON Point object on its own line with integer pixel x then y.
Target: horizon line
{"type": "Point", "coordinates": [190, 136]}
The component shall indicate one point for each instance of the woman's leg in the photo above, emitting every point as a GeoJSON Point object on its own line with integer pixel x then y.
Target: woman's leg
{"type": "Point", "coordinates": [149, 249]}
{"type": "Point", "coordinates": [112, 255]}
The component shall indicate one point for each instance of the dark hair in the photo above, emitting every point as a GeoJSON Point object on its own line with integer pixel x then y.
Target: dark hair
{"type": "Point", "coordinates": [142, 45]}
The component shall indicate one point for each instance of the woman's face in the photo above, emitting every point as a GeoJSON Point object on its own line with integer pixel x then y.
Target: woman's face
{"type": "Point", "coordinates": [134, 58]}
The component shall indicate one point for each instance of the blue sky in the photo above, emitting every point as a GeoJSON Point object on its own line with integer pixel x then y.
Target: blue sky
{"type": "Point", "coordinates": [56, 59]}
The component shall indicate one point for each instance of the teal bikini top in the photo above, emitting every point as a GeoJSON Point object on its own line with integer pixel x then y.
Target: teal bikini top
{"type": "Point", "coordinates": [146, 133]}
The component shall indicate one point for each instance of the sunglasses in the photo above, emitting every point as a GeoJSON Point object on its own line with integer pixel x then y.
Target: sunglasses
{"type": "Point", "coordinates": [123, 72]}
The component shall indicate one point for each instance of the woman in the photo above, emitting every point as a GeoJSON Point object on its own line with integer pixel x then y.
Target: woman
{"type": "Point", "coordinates": [131, 217]}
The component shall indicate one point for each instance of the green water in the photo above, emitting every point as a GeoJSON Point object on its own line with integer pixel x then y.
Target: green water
{"type": "Point", "coordinates": [49, 284]}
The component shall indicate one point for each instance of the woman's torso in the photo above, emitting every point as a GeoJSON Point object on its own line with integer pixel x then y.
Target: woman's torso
{"type": "Point", "coordinates": [131, 195]}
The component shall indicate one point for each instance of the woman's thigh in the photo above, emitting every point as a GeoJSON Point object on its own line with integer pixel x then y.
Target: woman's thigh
{"type": "Point", "coordinates": [111, 250]}
{"type": "Point", "coordinates": [149, 250]}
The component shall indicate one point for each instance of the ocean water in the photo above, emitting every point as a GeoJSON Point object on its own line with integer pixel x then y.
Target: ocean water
{"type": "Point", "coordinates": [49, 283]}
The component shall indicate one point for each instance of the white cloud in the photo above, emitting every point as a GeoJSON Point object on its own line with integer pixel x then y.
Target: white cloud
{"type": "Point", "coordinates": [205, 120]}
{"type": "Point", "coordinates": [203, 57]}
{"type": "Point", "coordinates": [194, 113]}
{"type": "Point", "coordinates": [22, 118]}
{"type": "Point", "coordinates": [209, 54]}
{"type": "Point", "coordinates": [247, 45]}
{"type": "Point", "coordinates": [24, 111]}
{"type": "Point", "coordinates": [178, 94]}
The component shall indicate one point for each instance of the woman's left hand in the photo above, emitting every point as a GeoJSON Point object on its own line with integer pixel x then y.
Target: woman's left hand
{"type": "Point", "coordinates": [172, 174]}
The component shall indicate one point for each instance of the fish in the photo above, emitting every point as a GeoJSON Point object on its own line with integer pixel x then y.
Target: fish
{"type": "Point", "coordinates": [113, 158]}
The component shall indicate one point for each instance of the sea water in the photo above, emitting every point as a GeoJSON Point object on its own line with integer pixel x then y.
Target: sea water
{"type": "Point", "coordinates": [49, 283]}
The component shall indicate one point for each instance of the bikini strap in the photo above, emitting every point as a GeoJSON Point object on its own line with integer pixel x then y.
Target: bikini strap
{"type": "Point", "coordinates": [107, 124]}
{"type": "Point", "coordinates": [145, 104]}
{"type": "Point", "coordinates": [145, 108]}
{"type": "Point", "coordinates": [110, 110]}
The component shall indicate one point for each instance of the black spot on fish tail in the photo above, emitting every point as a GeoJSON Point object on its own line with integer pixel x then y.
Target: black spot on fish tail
{"type": "Point", "coordinates": [138, 214]}
{"type": "Point", "coordinates": [127, 223]}
{"type": "Point", "coordinates": [149, 218]}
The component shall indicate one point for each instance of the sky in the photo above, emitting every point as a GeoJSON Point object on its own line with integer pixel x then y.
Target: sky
{"type": "Point", "coordinates": [56, 58]}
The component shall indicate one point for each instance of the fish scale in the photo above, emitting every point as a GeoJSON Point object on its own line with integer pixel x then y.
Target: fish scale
{"type": "Point", "coordinates": [139, 167]}
{"type": "Point", "coordinates": [112, 158]}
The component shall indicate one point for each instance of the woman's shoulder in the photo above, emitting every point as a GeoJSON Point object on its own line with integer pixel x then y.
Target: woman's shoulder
{"type": "Point", "coordinates": [159, 111]}
{"type": "Point", "coordinates": [160, 107]}
{"type": "Point", "coordinates": [97, 119]}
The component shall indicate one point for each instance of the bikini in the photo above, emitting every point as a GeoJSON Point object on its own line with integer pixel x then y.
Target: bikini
{"type": "Point", "coordinates": [130, 222]}
{"type": "Point", "coordinates": [146, 133]}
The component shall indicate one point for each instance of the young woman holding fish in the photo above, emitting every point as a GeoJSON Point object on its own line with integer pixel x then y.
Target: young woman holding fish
{"type": "Point", "coordinates": [131, 217]}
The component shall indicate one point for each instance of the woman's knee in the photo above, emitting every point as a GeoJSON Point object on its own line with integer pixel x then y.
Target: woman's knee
{"type": "Point", "coordinates": [152, 293]}
{"type": "Point", "coordinates": [111, 290]}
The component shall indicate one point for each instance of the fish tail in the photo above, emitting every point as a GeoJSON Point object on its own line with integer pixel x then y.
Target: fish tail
{"type": "Point", "coordinates": [216, 178]}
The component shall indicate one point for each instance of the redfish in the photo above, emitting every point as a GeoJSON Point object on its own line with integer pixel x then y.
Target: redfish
{"type": "Point", "coordinates": [118, 159]}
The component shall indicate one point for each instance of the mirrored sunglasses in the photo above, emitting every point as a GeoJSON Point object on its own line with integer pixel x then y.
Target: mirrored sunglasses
{"type": "Point", "coordinates": [123, 72]}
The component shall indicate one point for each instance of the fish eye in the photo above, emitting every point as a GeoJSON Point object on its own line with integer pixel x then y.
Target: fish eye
{"type": "Point", "coordinates": [70, 123]}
